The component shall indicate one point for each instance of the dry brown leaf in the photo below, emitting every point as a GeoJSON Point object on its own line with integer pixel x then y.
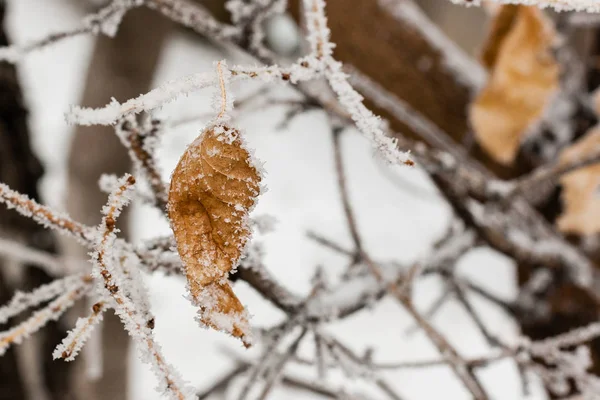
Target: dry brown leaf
{"type": "Point", "coordinates": [212, 190]}
{"type": "Point", "coordinates": [502, 25]}
{"type": "Point", "coordinates": [523, 77]}
{"type": "Point", "coordinates": [580, 195]}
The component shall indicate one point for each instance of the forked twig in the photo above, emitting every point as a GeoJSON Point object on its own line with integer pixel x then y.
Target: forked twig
{"type": "Point", "coordinates": [457, 363]}
{"type": "Point", "coordinates": [112, 281]}
{"type": "Point", "coordinates": [40, 318]}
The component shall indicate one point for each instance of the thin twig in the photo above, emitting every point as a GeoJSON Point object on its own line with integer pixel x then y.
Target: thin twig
{"type": "Point", "coordinates": [310, 386]}
{"type": "Point", "coordinates": [507, 306]}
{"type": "Point", "coordinates": [433, 308]}
{"type": "Point", "coordinates": [222, 383]}
{"type": "Point", "coordinates": [105, 21]}
{"type": "Point", "coordinates": [135, 139]}
{"type": "Point", "coordinates": [457, 363]}
{"type": "Point", "coordinates": [45, 216]}
{"type": "Point", "coordinates": [464, 301]}
{"type": "Point", "coordinates": [268, 354]}
{"type": "Point", "coordinates": [549, 173]}
{"type": "Point", "coordinates": [387, 389]}
{"type": "Point", "coordinates": [329, 244]}
{"type": "Point", "coordinates": [72, 344]}
{"type": "Point", "coordinates": [277, 369]}
{"type": "Point", "coordinates": [320, 357]}
{"type": "Point", "coordinates": [477, 362]}
{"type": "Point", "coordinates": [341, 177]}
{"type": "Point", "coordinates": [40, 318]}
{"type": "Point", "coordinates": [360, 364]}
{"type": "Point", "coordinates": [133, 320]}
{"type": "Point", "coordinates": [23, 301]}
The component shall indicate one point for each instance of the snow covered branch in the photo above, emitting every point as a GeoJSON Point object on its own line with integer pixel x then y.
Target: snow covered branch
{"type": "Point", "coordinates": [114, 284]}
{"type": "Point", "coordinates": [106, 22]}
{"type": "Point", "coordinates": [174, 89]}
{"type": "Point", "coordinates": [141, 141]}
{"type": "Point", "coordinates": [44, 215]}
{"type": "Point", "coordinates": [492, 213]}
{"type": "Point", "coordinates": [70, 290]}
{"type": "Point", "coordinates": [590, 6]}
{"type": "Point", "coordinates": [23, 301]}
{"type": "Point", "coordinates": [75, 340]}
{"type": "Point", "coordinates": [318, 63]}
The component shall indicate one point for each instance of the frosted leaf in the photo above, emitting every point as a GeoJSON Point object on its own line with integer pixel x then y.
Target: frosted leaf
{"type": "Point", "coordinates": [213, 188]}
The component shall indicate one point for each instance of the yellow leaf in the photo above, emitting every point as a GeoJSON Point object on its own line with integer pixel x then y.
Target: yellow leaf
{"type": "Point", "coordinates": [523, 77]}
{"type": "Point", "coordinates": [212, 190]}
{"type": "Point", "coordinates": [580, 195]}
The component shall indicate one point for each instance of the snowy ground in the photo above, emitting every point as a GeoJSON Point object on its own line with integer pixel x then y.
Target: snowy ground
{"type": "Point", "coordinates": [396, 224]}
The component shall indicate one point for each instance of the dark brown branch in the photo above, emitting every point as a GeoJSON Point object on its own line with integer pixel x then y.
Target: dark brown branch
{"type": "Point", "coordinates": [550, 172]}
